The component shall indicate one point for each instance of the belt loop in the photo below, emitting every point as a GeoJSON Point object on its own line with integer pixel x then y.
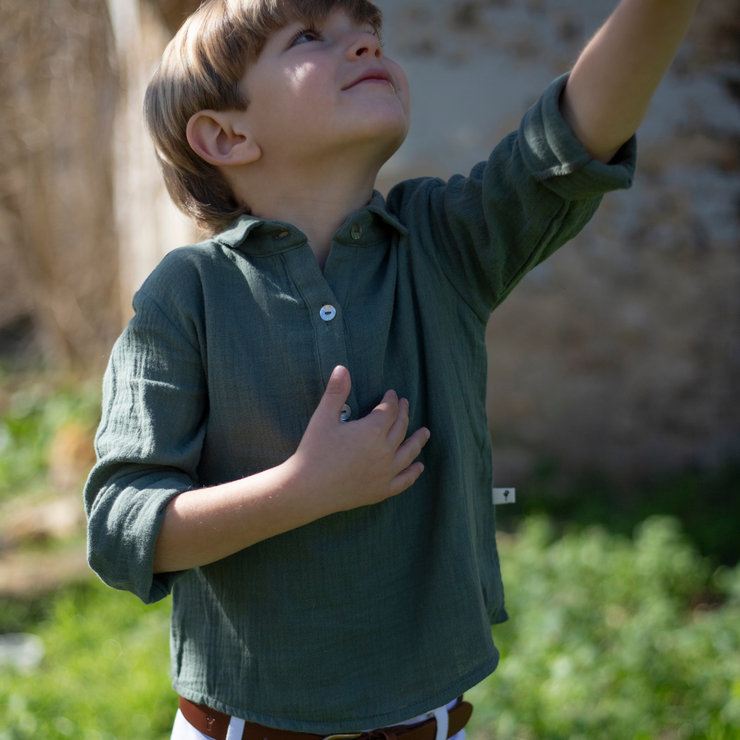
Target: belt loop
{"type": "Point", "coordinates": [443, 723]}
{"type": "Point", "coordinates": [236, 729]}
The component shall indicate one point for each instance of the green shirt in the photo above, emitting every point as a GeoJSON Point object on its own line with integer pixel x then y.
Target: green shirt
{"type": "Point", "coordinates": [367, 617]}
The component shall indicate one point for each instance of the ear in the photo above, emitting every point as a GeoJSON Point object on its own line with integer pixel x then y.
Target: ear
{"type": "Point", "coordinates": [222, 138]}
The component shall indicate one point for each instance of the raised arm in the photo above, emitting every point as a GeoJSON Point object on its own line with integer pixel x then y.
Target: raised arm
{"type": "Point", "coordinates": [614, 79]}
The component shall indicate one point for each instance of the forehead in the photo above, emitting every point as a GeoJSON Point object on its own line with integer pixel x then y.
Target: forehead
{"type": "Point", "coordinates": [276, 14]}
{"type": "Point", "coordinates": [336, 17]}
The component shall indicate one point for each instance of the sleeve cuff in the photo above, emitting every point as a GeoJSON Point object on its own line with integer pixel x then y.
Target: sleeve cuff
{"type": "Point", "coordinates": [554, 156]}
{"type": "Point", "coordinates": [123, 526]}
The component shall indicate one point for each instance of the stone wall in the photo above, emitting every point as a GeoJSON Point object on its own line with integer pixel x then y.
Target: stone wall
{"type": "Point", "coordinates": [622, 352]}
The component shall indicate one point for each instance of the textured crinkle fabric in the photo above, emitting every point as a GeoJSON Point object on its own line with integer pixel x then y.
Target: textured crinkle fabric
{"type": "Point", "coordinates": [366, 617]}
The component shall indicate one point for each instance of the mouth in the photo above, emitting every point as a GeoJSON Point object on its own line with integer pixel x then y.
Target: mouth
{"type": "Point", "coordinates": [376, 76]}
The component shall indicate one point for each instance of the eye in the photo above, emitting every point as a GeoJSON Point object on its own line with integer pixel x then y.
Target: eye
{"type": "Point", "coordinates": [305, 35]}
{"type": "Point", "coordinates": [376, 33]}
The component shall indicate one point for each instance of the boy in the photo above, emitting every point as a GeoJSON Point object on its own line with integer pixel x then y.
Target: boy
{"type": "Point", "coordinates": [323, 582]}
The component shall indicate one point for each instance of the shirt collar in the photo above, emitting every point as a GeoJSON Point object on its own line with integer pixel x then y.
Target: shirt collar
{"type": "Point", "coordinates": [378, 206]}
{"type": "Point", "coordinates": [255, 235]}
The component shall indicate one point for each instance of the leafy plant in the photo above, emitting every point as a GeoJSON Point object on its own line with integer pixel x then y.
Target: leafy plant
{"type": "Point", "coordinates": [612, 639]}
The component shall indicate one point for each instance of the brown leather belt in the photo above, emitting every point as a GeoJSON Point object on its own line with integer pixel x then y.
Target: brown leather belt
{"type": "Point", "coordinates": [216, 724]}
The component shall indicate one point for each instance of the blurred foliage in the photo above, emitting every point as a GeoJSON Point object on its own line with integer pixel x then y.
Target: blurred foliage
{"type": "Point", "coordinates": [33, 408]}
{"type": "Point", "coordinates": [609, 638]}
{"type": "Point", "coordinates": [104, 675]}
{"type": "Point", "coordinates": [707, 503]}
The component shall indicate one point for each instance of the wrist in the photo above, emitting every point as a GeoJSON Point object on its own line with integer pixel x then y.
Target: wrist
{"type": "Point", "coordinates": [301, 482]}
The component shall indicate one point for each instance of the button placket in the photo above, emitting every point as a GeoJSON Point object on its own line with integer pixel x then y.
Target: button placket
{"type": "Point", "coordinates": [325, 314]}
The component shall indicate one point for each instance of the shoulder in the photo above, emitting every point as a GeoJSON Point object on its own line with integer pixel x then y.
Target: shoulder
{"type": "Point", "coordinates": [184, 272]}
{"type": "Point", "coordinates": [189, 264]}
{"type": "Point", "coordinates": [406, 197]}
{"type": "Point", "coordinates": [178, 287]}
{"type": "Point", "coordinates": [419, 199]}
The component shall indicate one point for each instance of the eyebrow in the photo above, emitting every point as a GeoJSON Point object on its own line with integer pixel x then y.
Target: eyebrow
{"type": "Point", "coordinates": [309, 22]}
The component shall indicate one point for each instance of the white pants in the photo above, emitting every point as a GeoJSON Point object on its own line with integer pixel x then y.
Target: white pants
{"type": "Point", "coordinates": [183, 730]}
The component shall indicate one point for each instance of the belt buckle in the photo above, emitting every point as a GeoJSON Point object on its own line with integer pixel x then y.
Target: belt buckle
{"type": "Point", "coordinates": [345, 736]}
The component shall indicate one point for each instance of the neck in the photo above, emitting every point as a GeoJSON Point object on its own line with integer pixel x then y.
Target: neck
{"type": "Point", "coordinates": [316, 198]}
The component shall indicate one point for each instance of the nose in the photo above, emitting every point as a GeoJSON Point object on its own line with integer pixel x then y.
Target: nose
{"type": "Point", "coordinates": [365, 44]}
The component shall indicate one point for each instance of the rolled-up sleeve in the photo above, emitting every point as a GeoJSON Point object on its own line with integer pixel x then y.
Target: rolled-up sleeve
{"type": "Point", "coordinates": [536, 191]}
{"type": "Point", "coordinates": [148, 446]}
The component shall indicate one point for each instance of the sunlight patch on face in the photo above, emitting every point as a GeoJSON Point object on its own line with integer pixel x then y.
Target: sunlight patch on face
{"type": "Point", "coordinates": [299, 74]}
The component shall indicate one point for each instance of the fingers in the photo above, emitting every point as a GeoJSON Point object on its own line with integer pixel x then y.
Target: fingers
{"type": "Point", "coordinates": [410, 471]}
{"type": "Point", "coordinates": [397, 432]}
{"type": "Point", "coordinates": [339, 382]}
{"type": "Point", "coordinates": [336, 393]}
{"type": "Point", "coordinates": [411, 448]}
{"type": "Point", "coordinates": [387, 410]}
{"type": "Point", "coordinates": [406, 478]}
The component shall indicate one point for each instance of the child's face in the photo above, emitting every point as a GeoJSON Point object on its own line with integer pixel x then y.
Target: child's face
{"type": "Point", "coordinates": [307, 94]}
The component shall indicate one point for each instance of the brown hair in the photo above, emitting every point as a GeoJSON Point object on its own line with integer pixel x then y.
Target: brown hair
{"type": "Point", "coordinates": [201, 69]}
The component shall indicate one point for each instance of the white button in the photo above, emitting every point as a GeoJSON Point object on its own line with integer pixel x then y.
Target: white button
{"type": "Point", "coordinates": [356, 232]}
{"type": "Point", "coordinates": [346, 412]}
{"type": "Point", "coordinates": [328, 312]}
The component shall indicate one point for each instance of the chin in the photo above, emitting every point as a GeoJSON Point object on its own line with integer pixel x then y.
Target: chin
{"type": "Point", "coordinates": [379, 126]}
{"type": "Point", "coordinates": [381, 113]}
{"type": "Point", "coordinates": [380, 147]}
{"type": "Point", "coordinates": [394, 145]}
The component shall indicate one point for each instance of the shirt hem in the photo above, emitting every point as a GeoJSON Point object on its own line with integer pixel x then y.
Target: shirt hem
{"type": "Point", "coordinates": [356, 724]}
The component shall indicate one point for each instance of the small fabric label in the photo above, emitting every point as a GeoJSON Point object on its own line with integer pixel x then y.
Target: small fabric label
{"type": "Point", "coordinates": [504, 496]}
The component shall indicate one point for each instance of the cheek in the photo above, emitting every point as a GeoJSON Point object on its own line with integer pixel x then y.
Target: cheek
{"type": "Point", "coordinates": [288, 93]}
{"type": "Point", "coordinates": [404, 92]}
{"type": "Point", "coordinates": [307, 85]}
{"type": "Point", "coordinates": [299, 78]}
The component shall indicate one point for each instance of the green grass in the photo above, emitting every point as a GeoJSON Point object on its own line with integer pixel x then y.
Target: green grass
{"type": "Point", "coordinates": [609, 637]}
{"type": "Point", "coordinates": [104, 674]}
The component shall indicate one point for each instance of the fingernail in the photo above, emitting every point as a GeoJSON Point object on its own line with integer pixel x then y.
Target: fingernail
{"type": "Point", "coordinates": [339, 372]}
